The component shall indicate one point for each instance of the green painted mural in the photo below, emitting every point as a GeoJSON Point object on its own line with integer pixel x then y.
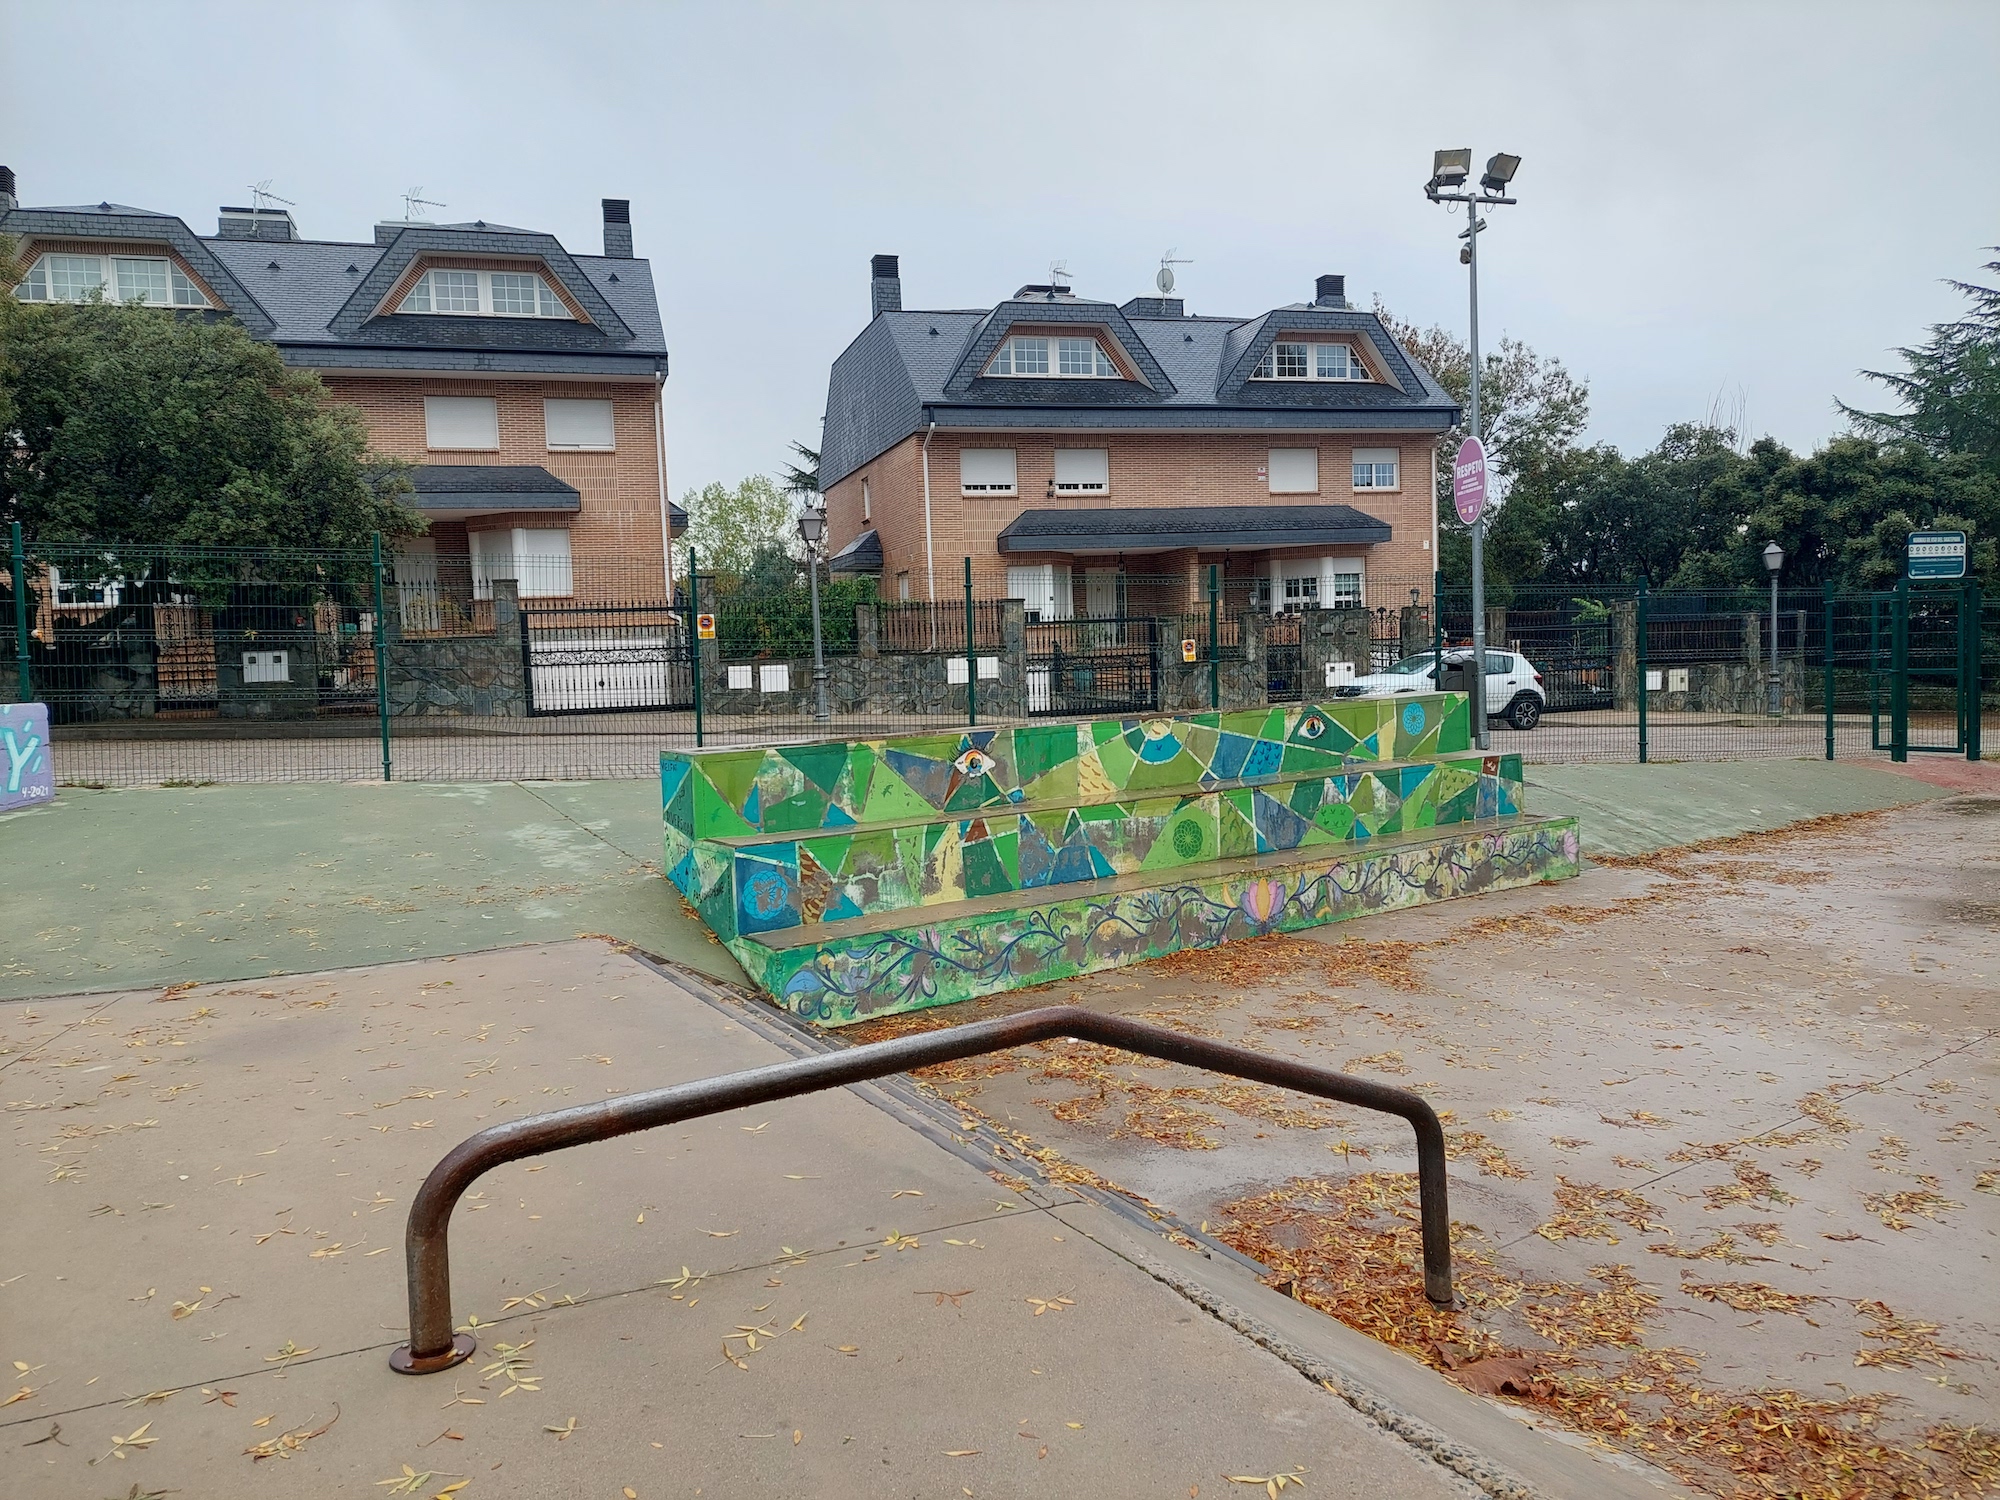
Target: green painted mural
{"type": "Point", "coordinates": [1032, 852]}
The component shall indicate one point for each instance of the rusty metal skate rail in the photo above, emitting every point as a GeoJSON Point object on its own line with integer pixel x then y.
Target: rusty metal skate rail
{"type": "Point", "coordinates": [433, 1346]}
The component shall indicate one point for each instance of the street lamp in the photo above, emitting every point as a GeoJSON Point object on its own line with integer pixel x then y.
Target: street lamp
{"type": "Point", "coordinates": [812, 528]}
{"type": "Point", "coordinates": [1449, 171]}
{"type": "Point", "coordinates": [1774, 559]}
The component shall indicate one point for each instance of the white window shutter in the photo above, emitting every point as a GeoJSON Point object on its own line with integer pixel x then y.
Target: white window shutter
{"type": "Point", "coordinates": [1083, 469]}
{"type": "Point", "coordinates": [461, 422]}
{"type": "Point", "coordinates": [579, 424]}
{"type": "Point", "coordinates": [986, 471]}
{"type": "Point", "coordinates": [1294, 471]}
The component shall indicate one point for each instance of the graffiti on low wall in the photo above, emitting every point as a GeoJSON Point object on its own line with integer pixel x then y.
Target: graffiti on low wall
{"type": "Point", "coordinates": [27, 775]}
{"type": "Point", "coordinates": [916, 966]}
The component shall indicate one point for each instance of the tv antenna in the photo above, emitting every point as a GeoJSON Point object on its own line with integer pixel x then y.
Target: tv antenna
{"type": "Point", "coordinates": [262, 198]}
{"type": "Point", "coordinates": [1059, 273]}
{"type": "Point", "coordinates": [1165, 280]}
{"type": "Point", "coordinates": [414, 199]}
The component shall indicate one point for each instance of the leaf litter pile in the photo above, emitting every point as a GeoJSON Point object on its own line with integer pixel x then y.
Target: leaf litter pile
{"type": "Point", "coordinates": [1578, 1352]}
{"type": "Point", "coordinates": [1583, 1353]}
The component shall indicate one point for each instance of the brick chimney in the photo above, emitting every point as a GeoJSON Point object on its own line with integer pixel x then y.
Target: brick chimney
{"type": "Point", "coordinates": [1330, 291]}
{"type": "Point", "coordinates": [618, 228]}
{"type": "Point", "coordinates": [885, 285]}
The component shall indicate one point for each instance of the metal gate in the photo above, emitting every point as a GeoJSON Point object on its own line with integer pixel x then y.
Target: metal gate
{"type": "Point", "coordinates": [607, 658]}
{"type": "Point", "coordinates": [1284, 659]}
{"type": "Point", "coordinates": [1093, 667]}
{"type": "Point", "coordinates": [1925, 660]}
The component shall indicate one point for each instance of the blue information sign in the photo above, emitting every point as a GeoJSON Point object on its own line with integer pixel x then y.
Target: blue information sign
{"type": "Point", "coordinates": [1937, 554]}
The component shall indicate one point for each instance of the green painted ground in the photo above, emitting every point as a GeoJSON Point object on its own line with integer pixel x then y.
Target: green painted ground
{"type": "Point", "coordinates": [118, 889]}
{"type": "Point", "coordinates": [126, 889]}
{"type": "Point", "coordinates": [1634, 809]}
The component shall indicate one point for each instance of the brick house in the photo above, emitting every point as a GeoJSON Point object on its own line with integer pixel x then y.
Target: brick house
{"type": "Point", "coordinates": [1078, 451]}
{"type": "Point", "coordinates": [522, 379]}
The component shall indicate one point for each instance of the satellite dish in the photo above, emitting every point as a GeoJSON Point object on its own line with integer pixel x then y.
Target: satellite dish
{"type": "Point", "coordinates": [1165, 281]}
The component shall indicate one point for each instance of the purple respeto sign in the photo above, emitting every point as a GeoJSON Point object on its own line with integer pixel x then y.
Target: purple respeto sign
{"type": "Point", "coordinates": [27, 774]}
{"type": "Point", "coordinates": [1468, 480]}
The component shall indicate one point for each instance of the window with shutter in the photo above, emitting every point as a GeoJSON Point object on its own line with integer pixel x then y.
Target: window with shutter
{"type": "Point", "coordinates": [1376, 468]}
{"type": "Point", "coordinates": [579, 424]}
{"type": "Point", "coordinates": [1083, 471]}
{"type": "Point", "coordinates": [461, 422]}
{"type": "Point", "coordinates": [1293, 471]}
{"type": "Point", "coordinates": [986, 471]}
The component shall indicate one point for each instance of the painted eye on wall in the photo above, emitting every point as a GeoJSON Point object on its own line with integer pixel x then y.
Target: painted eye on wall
{"type": "Point", "coordinates": [973, 763]}
{"type": "Point", "coordinates": [1313, 727]}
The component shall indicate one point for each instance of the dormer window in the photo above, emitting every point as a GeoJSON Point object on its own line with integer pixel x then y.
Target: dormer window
{"type": "Point", "coordinates": [1288, 361]}
{"type": "Point", "coordinates": [1069, 359]}
{"type": "Point", "coordinates": [488, 294]}
{"type": "Point", "coordinates": [152, 280]}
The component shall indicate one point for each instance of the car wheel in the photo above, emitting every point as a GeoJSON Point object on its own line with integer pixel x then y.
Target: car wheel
{"type": "Point", "coordinates": [1525, 712]}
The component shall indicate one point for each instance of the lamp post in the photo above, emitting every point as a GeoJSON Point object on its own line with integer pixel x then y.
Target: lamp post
{"type": "Point", "coordinates": [1449, 170]}
{"type": "Point", "coordinates": [1774, 703]}
{"type": "Point", "coordinates": [812, 527]}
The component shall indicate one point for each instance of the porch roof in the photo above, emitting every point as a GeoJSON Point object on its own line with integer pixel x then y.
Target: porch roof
{"type": "Point", "coordinates": [1166, 528]}
{"type": "Point", "coordinates": [458, 488]}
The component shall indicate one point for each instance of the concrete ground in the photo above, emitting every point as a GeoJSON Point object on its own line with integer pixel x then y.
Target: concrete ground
{"type": "Point", "coordinates": [1726, 1129]}
{"type": "Point", "coordinates": [113, 889]}
{"type": "Point", "coordinates": [830, 1296]}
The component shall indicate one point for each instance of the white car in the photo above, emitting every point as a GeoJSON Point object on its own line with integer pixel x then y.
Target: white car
{"type": "Point", "coordinates": [1513, 686]}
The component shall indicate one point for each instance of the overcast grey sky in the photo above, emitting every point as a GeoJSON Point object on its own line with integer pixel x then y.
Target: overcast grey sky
{"type": "Point", "coordinates": [1714, 197]}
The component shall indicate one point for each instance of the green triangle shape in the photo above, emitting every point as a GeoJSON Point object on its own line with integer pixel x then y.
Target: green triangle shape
{"type": "Point", "coordinates": [714, 818]}
{"type": "Point", "coordinates": [830, 852]}
{"type": "Point", "coordinates": [889, 799]}
{"type": "Point", "coordinates": [732, 773]}
{"type": "Point", "coordinates": [821, 764]}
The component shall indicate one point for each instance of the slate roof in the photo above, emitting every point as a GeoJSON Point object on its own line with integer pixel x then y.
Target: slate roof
{"type": "Point", "coordinates": [862, 555]}
{"type": "Point", "coordinates": [1159, 528]}
{"type": "Point", "coordinates": [491, 487]}
{"type": "Point", "coordinates": [907, 369]}
{"type": "Point", "coordinates": [312, 298]}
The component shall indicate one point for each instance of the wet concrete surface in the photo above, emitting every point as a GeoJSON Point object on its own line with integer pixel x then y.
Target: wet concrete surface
{"type": "Point", "coordinates": [1764, 1077]}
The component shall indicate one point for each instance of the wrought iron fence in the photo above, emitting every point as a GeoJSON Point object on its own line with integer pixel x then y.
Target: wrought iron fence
{"type": "Point", "coordinates": [166, 665]}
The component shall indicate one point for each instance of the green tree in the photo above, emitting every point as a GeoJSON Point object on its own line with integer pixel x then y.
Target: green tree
{"type": "Point", "coordinates": [1950, 390]}
{"type": "Point", "coordinates": [1532, 411]}
{"type": "Point", "coordinates": [802, 478]}
{"type": "Point", "coordinates": [141, 426]}
{"type": "Point", "coordinates": [728, 527]}
{"type": "Point", "coordinates": [1845, 512]}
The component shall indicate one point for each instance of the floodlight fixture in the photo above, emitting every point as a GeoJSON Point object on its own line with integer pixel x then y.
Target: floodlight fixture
{"type": "Point", "coordinates": [1500, 170]}
{"type": "Point", "coordinates": [1774, 557]}
{"type": "Point", "coordinates": [1449, 169]}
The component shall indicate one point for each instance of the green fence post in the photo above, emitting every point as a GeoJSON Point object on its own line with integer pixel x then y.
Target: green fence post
{"type": "Point", "coordinates": [1214, 637]}
{"type": "Point", "coordinates": [1969, 670]}
{"type": "Point", "coordinates": [971, 656]}
{"type": "Point", "coordinates": [694, 638]}
{"type": "Point", "coordinates": [1899, 673]}
{"type": "Point", "coordinates": [1826, 669]}
{"type": "Point", "coordinates": [1639, 645]}
{"type": "Point", "coordinates": [21, 666]}
{"type": "Point", "coordinates": [381, 659]}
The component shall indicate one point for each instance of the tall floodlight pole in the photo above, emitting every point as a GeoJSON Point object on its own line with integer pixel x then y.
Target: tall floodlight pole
{"type": "Point", "coordinates": [812, 529]}
{"type": "Point", "coordinates": [1449, 170]}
